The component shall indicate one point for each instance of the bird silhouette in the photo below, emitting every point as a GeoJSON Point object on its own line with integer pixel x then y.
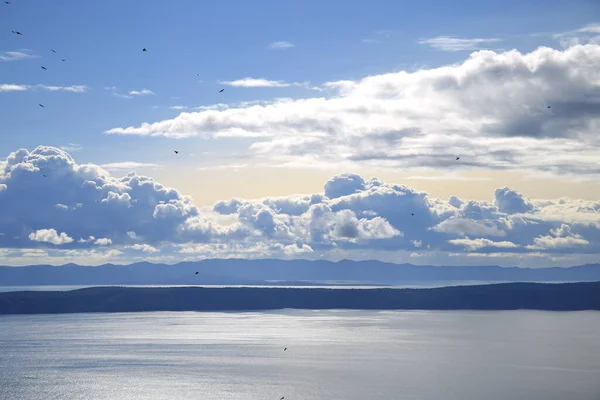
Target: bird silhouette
{"type": "Point", "coordinates": [52, 50]}
{"type": "Point", "coordinates": [44, 67]}
{"type": "Point", "coordinates": [549, 107]}
{"type": "Point", "coordinates": [144, 49]}
{"type": "Point", "coordinates": [41, 105]}
{"type": "Point", "coordinates": [413, 214]}
{"type": "Point", "coordinates": [44, 175]}
{"type": "Point", "coordinates": [17, 32]}
{"type": "Point", "coordinates": [64, 59]}
{"type": "Point", "coordinates": [221, 91]}
{"type": "Point", "coordinates": [7, 2]}
{"type": "Point", "coordinates": [457, 158]}
{"type": "Point", "coordinates": [282, 397]}
{"type": "Point", "coordinates": [196, 273]}
{"type": "Point", "coordinates": [176, 152]}
{"type": "Point", "coordinates": [285, 349]}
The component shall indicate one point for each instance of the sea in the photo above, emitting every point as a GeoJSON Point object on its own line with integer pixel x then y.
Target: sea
{"type": "Point", "coordinates": [302, 354]}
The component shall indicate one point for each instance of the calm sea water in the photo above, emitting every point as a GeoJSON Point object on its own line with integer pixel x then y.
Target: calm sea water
{"type": "Point", "coordinates": [353, 355]}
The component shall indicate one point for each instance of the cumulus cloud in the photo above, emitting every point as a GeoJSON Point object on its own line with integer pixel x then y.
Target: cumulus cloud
{"type": "Point", "coordinates": [281, 45]}
{"type": "Point", "coordinates": [143, 247]}
{"type": "Point", "coordinates": [453, 43]}
{"type": "Point", "coordinates": [81, 207]}
{"type": "Point", "coordinates": [491, 109]}
{"type": "Point", "coordinates": [86, 201]}
{"type": "Point", "coordinates": [50, 236]}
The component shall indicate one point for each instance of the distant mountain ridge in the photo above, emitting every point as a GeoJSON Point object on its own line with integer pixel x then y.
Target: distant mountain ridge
{"type": "Point", "coordinates": [293, 272]}
{"type": "Point", "coordinates": [503, 296]}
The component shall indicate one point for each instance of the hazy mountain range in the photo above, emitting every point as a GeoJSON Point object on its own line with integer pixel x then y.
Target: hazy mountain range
{"type": "Point", "coordinates": [289, 272]}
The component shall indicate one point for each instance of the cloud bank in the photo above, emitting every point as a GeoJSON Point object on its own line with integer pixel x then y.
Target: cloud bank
{"type": "Point", "coordinates": [537, 112]}
{"type": "Point", "coordinates": [48, 202]}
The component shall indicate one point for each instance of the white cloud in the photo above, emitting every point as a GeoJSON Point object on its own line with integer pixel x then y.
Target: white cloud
{"type": "Point", "coordinates": [128, 166]}
{"type": "Point", "coordinates": [71, 147]}
{"type": "Point", "coordinates": [103, 241]}
{"type": "Point", "coordinates": [249, 82]}
{"type": "Point", "coordinates": [178, 107]}
{"type": "Point", "coordinates": [492, 110]}
{"type": "Point", "coordinates": [21, 88]}
{"type": "Point", "coordinates": [143, 247]}
{"type": "Point", "coordinates": [352, 217]}
{"type": "Point", "coordinates": [255, 82]}
{"type": "Point", "coordinates": [50, 236]}
{"type": "Point", "coordinates": [453, 43]}
{"type": "Point", "coordinates": [117, 93]}
{"type": "Point", "coordinates": [281, 45]}
{"type": "Point", "coordinates": [476, 244]}
{"type": "Point", "coordinates": [143, 92]}
{"type": "Point", "coordinates": [589, 34]}
{"type": "Point", "coordinates": [16, 55]}
{"type": "Point", "coordinates": [98, 205]}
{"type": "Point", "coordinates": [7, 87]}
{"type": "Point", "coordinates": [73, 89]}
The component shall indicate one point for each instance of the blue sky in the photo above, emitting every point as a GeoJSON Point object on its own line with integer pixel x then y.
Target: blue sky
{"type": "Point", "coordinates": [319, 98]}
{"type": "Point", "coordinates": [225, 40]}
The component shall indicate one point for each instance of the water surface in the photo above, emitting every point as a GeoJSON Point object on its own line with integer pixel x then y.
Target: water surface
{"type": "Point", "coordinates": [353, 355]}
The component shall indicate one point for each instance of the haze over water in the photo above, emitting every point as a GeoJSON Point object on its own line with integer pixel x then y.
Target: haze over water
{"type": "Point", "coordinates": [331, 355]}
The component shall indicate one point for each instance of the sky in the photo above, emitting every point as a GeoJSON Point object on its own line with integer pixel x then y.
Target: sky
{"type": "Point", "coordinates": [430, 132]}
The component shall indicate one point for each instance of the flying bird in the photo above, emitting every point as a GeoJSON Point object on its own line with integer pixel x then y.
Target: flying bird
{"type": "Point", "coordinates": [549, 107]}
{"type": "Point", "coordinates": [285, 349]}
{"type": "Point", "coordinates": [457, 158]}
{"type": "Point", "coordinates": [221, 91]}
{"type": "Point", "coordinates": [41, 105]}
{"type": "Point", "coordinates": [17, 32]}
{"type": "Point", "coordinates": [44, 175]}
{"type": "Point", "coordinates": [413, 214]}
{"type": "Point", "coordinates": [7, 2]}
{"type": "Point", "coordinates": [44, 67]}
{"type": "Point", "coordinates": [144, 49]}
{"type": "Point", "coordinates": [64, 59]}
{"type": "Point", "coordinates": [282, 397]}
{"type": "Point", "coordinates": [52, 50]}
{"type": "Point", "coordinates": [176, 152]}
{"type": "Point", "coordinates": [196, 273]}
